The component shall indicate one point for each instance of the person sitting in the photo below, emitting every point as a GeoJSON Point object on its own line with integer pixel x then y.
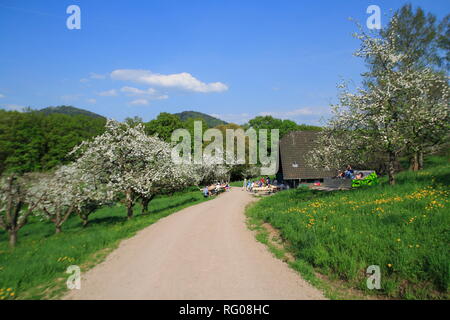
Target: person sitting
{"type": "Point", "coordinates": [349, 172]}
{"type": "Point", "coordinates": [341, 174]}
{"type": "Point", "coordinates": [359, 176]}
{"type": "Point", "coordinates": [206, 192]}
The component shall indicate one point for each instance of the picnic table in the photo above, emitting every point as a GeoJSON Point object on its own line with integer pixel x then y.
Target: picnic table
{"type": "Point", "coordinates": [214, 189]}
{"type": "Point", "coordinates": [266, 189]}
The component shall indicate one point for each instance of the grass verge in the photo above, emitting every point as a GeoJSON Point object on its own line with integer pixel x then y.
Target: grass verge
{"type": "Point", "coordinates": [35, 269]}
{"type": "Point", "coordinates": [336, 236]}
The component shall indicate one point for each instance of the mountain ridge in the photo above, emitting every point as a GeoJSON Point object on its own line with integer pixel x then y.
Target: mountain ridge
{"type": "Point", "coordinates": [210, 120]}
{"type": "Point", "coordinates": [71, 111]}
{"type": "Point", "coordinates": [184, 115]}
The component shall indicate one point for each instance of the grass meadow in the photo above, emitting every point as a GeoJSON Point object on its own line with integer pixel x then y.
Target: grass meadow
{"type": "Point", "coordinates": [404, 229]}
{"type": "Point", "coordinates": [35, 269]}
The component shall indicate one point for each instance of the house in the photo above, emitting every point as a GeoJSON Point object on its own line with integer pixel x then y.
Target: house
{"type": "Point", "coordinates": [292, 169]}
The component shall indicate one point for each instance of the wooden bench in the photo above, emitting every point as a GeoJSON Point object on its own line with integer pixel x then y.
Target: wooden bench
{"type": "Point", "coordinates": [265, 190]}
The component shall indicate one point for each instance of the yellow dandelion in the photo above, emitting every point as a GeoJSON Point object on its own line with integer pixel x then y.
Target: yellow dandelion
{"type": "Point", "coordinates": [389, 265]}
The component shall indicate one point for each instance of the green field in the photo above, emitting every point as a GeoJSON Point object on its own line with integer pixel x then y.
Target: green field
{"type": "Point", "coordinates": [404, 229]}
{"type": "Point", "coordinates": [35, 269]}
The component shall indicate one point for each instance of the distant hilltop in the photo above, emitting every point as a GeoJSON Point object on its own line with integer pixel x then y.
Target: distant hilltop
{"type": "Point", "coordinates": [72, 111]}
{"type": "Point", "coordinates": [69, 110]}
{"type": "Point", "coordinates": [210, 121]}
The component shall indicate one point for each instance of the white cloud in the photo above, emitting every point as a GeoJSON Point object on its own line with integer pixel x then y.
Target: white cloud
{"type": "Point", "coordinates": [184, 80]}
{"type": "Point", "coordinates": [161, 97]}
{"type": "Point", "coordinates": [108, 93]}
{"type": "Point", "coordinates": [150, 93]}
{"type": "Point", "coordinates": [238, 118]}
{"type": "Point", "coordinates": [309, 111]}
{"type": "Point", "coordinates": [136, 92]}
{"type": "Point", "coordinates": [139, 102]}
{"type": "Point", "coordinates": [94, 76]}
{"type": "Point", "coordinates": [310, 115]}
{"type": "Point", "coordinates": [13, 107]}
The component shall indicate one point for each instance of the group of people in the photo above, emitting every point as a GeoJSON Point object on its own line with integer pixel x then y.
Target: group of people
{"type": "Point", "coordinates": [215, 188]}
{"type": "Point", "coordinates": [263, 182]}
{"type": "Point", "coordinates": [349, 173]}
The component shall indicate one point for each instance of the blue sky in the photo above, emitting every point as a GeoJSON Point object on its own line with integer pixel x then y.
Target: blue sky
{"type": "Point", "coordinates": [232, 59]}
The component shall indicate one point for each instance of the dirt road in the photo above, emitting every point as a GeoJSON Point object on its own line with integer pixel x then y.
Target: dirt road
{"type": "Point", "coordinates": [202, 252]}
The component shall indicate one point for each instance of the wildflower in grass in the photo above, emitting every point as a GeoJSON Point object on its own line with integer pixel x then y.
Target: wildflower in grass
{"type": "Point", "coordinates": [389, 265]}
{"type": "Point", "coordinates": [398, 240]}
{"type": "Point", "coordinates": [411, 220]}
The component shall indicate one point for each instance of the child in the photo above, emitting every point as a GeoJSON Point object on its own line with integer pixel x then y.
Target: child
{"type": "Point", "coordinates": [359, 176]}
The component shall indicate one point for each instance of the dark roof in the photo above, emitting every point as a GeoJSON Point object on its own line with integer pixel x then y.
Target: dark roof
{"type": "Point", "coordinates": [293, 148]}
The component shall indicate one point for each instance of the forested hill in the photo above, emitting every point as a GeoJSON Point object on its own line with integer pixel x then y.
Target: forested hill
{"type": "Point", "coordinates": [37, 141]}
{"type": "Point", "coordinates": [210, 121]}
{"type": "Point", "coordinates": [71, 111]}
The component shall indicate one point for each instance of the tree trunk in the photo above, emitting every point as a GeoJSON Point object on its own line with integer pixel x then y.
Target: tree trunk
{"type": "Point", "coordinates": [145, 202]}
{"type": "Point", "coordinates": [129, 211]}
{"type": "Point", "coordinates": [129, 203]}
{"type": "Point", "coordinates": [12, 238]}
{"type": "Point", "coordinates": [420, 160]}
{"type": "Point", "coordinates": [85, 221]}
{"type": "Point", "coordinates": [391, 168]}
{"type": "Point", "coordinates": [58, 229]}
{"type": "Point", "coordinates": [414, 162]}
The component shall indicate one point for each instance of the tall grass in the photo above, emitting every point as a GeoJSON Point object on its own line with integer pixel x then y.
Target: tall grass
{"type": "Point", "coordinates": [404, 229]}
{"type": "Point", "coordinates": [36, 267]}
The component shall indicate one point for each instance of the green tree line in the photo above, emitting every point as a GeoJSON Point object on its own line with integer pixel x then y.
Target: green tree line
{"type": "Point", "coordinates": [39, 141]}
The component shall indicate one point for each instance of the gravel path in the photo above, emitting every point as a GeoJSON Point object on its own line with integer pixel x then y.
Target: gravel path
{"type": "Point", "coordinates": [201, 252]}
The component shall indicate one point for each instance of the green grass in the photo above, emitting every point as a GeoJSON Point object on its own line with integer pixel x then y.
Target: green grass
{"type": "Point", "coordinates": [404, 229]}
{"type": "Point", "coordinates": [35, 269]}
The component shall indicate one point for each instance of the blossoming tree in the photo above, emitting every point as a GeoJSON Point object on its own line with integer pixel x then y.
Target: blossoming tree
{"type": "Point", "coordinates": [402, 110]}
{"type": "Point", "coordinates": [212, 168]}
{"type": "Point", "coordinates": [16, 204]}
{"type": "Point", "coordinates": [131, 164]}
{"type": "Point", "coordinates": [58, 193]}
